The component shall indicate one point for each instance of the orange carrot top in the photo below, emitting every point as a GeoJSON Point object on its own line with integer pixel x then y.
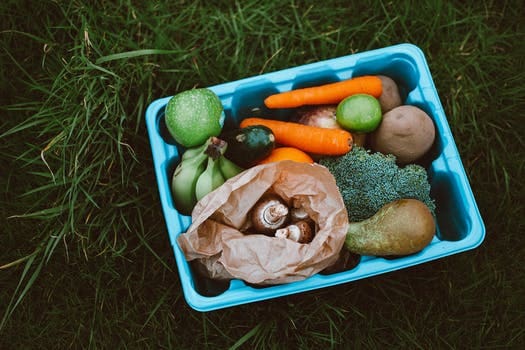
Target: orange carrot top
{"type": "Point", "coordinates": [310, 139]}
{"type": "Point", "coordinates": [332, 93]}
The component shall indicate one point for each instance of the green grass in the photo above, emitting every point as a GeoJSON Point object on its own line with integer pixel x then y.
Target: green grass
{"type": "Point", "coordinates": [85, 259]}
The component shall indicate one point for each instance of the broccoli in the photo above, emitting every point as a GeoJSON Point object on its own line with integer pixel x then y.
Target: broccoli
{"type": "Point", "coordinates": [367, 181]}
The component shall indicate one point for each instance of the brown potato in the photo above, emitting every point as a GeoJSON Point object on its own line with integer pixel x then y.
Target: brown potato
{"type": "Point", "coordinates": [390, 97]}
{"type": "Point", "coordinates": [406, 131]}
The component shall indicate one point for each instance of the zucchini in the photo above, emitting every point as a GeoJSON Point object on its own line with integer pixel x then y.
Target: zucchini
{"type": "Point", "coordinates": [249, 145]}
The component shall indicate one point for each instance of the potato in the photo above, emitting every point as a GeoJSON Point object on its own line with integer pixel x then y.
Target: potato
{"type": "Point", "coordinates": [406, 132]}
{"type": "Point", "coordinates": [390, 97]}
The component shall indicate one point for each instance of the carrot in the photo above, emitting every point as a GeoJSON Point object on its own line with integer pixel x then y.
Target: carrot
{"type": "Point", "coordinates": [311, 139]}
{"type": "Point", "coordinates": [287, 153]}
{"type": "Point", "coordinates": [326, 94]}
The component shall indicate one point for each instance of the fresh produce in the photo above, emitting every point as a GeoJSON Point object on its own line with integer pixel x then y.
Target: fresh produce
{"type": "Point", "coordinates": [228, 168]}
{"type": "Point", "coordinates": [287, 153]}
{"type": "Point", "coordinates": [360, 113]}
{"type": "Point", "coordinates": [192, 116]}
{"type": "Point", "coordinates": [307, 138]}
{"type": "Point", "coordinates": [367, 181]}
{"type": "Point", "coordinates": [322, 116]}
{"type": "Point", "coordinates": [298, 213]}
{"type": "Point", "coordinates": [401, 227]}
{"type": "Point", "coordinates": [184, 180]}
{"type": "Point", "coordinates": [248, 145]}
{"type": "Point", "coordinates": [269, 214]}
{"type": "Point", "coordinates": [210, 179]}
{"type": "Point", "coordinates": [200, 170]}
{"type": "Point", "coordinates": [389, 207]}
{"type": "Point", "coordinates": [390, 96]}
{"type": "Point", "coordinates": [300, 232]}
{"type": "Point", "coordinates": [406, 131]}
{"type": "Point", "coordinates": [325, 94]}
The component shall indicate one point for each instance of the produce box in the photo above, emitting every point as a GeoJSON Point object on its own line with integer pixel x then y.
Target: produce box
{"type": "Point", "coordinates": [459, 224]}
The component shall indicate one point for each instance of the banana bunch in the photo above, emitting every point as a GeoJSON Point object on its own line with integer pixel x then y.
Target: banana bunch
{"type": "Point", "coordinates": [201, 170]}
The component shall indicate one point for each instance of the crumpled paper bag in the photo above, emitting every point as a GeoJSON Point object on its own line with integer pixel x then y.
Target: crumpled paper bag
{"type": "Point", "coordinates": [216, 243]}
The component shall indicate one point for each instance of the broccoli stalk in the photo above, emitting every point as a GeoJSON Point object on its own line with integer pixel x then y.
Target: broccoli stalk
{"type": "Point", "coordinates": [367, 181]}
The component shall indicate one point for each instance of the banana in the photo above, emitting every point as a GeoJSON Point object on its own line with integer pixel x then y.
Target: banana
{"type": "Point", "coordinates": [210, 179]}
{"type": "Point", "coordinates": [192, 152]}
{"type": "Point", "coordinates": [201, 170]}
{"type": "Point", "coordinates": [184, 182]}
{"type": "Point", "coordinates": [228, 168]}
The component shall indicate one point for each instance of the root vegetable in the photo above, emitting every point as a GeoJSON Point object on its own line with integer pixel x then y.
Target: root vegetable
{"type": "Point", "coordinates": [324, 116]}
{"type": "Point", "coordinates": [390, 96]}
{"type": "Point", "coordinates": [307, 138]}
{"type": "Point", "coordinates": [325, 94]}
{"type": "Point", "coordinates": [321, 116]}
{"type": "Point", "coordinates": [406, 131]}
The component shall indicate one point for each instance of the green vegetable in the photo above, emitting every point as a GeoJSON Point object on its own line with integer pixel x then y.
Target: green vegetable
{"type": "Point", "coordinates": [367, 181]}
{"type": "Point", "coordinates": [248, 145]}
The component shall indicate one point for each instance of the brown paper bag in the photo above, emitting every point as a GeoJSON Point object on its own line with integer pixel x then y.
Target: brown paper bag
{"type": "Point", "coordinates": [215, 239]}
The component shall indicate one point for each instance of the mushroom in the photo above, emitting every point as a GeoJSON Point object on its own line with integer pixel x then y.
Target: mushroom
{"type": "Point", "coordinates": [297, 214]}
{"type": "Point", "coordinates": [269, 214]}
{"type": "Point", "coordinates": [300, 232]}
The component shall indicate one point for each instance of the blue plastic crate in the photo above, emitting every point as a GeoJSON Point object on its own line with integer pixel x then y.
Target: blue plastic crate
{"type": "Point", "coordinates": [460, 226]}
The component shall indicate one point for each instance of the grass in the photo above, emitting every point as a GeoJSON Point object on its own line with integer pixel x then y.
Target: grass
{"type": "Point", "coordinates": [85, 259]}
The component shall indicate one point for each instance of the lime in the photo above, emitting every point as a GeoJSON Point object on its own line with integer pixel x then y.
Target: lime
{"type": "Point", "coordinates": [359, 113]}
{"type": "Point", "coordinates": [192, 116]}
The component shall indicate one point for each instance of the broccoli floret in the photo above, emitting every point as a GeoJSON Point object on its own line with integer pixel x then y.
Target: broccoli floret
{"type": "Point", "coordinates": [367, 181]}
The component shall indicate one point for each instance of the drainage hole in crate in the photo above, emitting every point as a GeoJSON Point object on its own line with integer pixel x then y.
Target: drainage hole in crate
{"type": "Point", "coordinates": [208, 287]}
{"type": "Point", "coordinates": [452, 216]}
{"type": "Point", "coordinates": [346, 261]}
{"type": "Point", "coordinates": [163, 130]}
{"type": "Point", "coordinates": [315, 77]}
{"type": "Point", "coordinates": [258, 286]}
{"type": "Point", "coordinates": [248, 101]}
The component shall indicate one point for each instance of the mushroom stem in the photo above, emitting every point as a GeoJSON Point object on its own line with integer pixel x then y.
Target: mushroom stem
{"type": "Point", "coordinates": [275, 213]}
{"type": "Point", "coordinates": [269, 214]}
{"type": "Point", "coordinates": [300, 232]}
{"type": "Point", "coordinates": [298, 214]}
